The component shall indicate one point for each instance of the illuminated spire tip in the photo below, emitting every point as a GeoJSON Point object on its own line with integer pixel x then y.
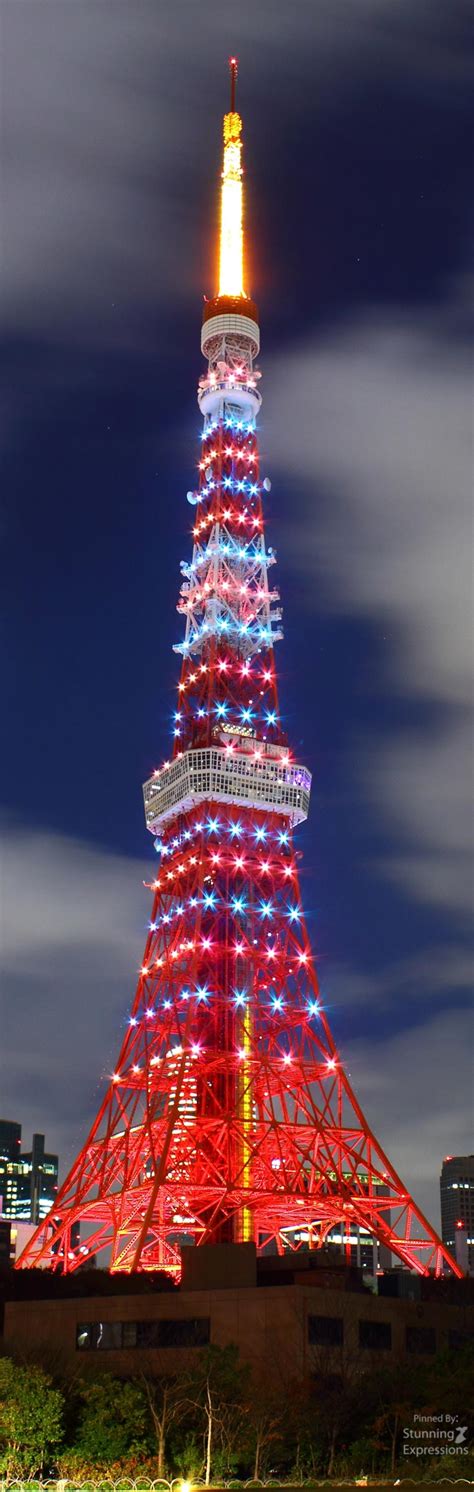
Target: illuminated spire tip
{"type": "Point", "coordinates": [231, 232]}
{"type": "Point", "coordinates": [234, 67]}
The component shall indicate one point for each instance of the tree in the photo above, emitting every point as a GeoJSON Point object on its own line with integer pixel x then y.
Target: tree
{"type": "Point", "coordinates": [167, 1403]}
{"type": "Point", "coordinates": [217, 1393]}
{"type": "Point", "coordinates": [335, 1377]}
{"type": "Point", "coordinates": [113, 1420]}
{"type": "Point", "coordinates": [398, 1388]}
{"type": "Point", "coordinates": [265, 1425]}
{"type": "Point", "coordinates": [449, 1380]}
{"type": "Point", "coordinates": [31, 1416]}
{"type": "Point", "coordinates": [388, 1426]}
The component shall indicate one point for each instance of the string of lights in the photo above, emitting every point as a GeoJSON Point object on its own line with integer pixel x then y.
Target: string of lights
{"type": "Point", "coordinates": [229, 1115]}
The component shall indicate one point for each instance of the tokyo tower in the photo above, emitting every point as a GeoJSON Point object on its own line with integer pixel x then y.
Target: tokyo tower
{"type": "Point", "coordinates": [229, 1116]}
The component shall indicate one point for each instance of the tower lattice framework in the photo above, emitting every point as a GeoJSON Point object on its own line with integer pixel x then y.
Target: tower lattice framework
{"type": "Point", "coordinates": [229, 1115]}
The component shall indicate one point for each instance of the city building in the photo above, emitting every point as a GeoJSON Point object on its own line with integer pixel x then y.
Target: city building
{"type": "Point", "coordinates": [300, 1314]}
{"type": "Point", "coordinates": [7, 1249]}
{"type": "Point", "coordinates": [28, 1178]}
{"type": "Point", "coordinates": [14, 1237]}
{"type": "Point", "coordinates": [457, 1202]}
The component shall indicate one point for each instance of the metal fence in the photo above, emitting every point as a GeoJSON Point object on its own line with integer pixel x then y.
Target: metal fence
{"type": "Point", "coordinates": [147, 1484]}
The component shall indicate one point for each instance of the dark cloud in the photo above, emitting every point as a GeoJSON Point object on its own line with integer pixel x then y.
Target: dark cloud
{"type": "Point", "coordinates": [426, 979]}
{"type": "Point", "coordinates": [72, 934]}
{"type": "Point", "coordinates": [373, 423]}
{"type": "Point", "coordinates": [413, 1091]}
{"type": "Point", "coordinates": [110, 111]}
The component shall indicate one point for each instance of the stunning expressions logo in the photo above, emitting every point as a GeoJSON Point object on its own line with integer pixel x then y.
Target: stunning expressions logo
{"type": "Point", "coordinates": [435, 1435]}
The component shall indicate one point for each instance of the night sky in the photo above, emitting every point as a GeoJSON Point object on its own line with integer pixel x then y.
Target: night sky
{"type": "Point", "coordinates": [358, 179]}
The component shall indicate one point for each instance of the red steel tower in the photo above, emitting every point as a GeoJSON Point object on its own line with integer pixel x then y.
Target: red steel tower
{"type": "Point", "coordinates": [229, 1115]}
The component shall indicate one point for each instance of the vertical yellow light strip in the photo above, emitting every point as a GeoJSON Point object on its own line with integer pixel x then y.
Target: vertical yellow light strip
{"type": "Point", "coordinates": [246, 1118]}
{"type": "Point", "coordinates": [244, 1028]}
{"type": "Point", "coordinates": [231, 238]}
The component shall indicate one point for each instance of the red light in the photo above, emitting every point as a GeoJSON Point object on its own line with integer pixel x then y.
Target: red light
{"type": "Point", "coordinates": [179, 1084]}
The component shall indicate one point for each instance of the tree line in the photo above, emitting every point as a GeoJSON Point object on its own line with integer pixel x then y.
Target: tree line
{"type": "Point", "coordinates": [216, 1419]}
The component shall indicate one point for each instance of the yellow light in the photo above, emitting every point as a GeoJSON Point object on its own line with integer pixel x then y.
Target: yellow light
{"type": "Point", "coordinates": [185, 1486]}
{"type": "Point", "coordinates": [232, 127]}
{"type": "Point", "coordinates": [231, 239]}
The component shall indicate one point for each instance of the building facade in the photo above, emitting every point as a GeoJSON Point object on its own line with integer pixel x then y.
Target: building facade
{"type": "Point", "coordinates": [457, 1201]}
{"type": "Point", "coordinates": [290, 1317]}
{"type": "Point", "coordinates": [28, 1178]}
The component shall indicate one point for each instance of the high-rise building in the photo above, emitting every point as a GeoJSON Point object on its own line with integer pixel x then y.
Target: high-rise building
{"type": "Point", "coordinates": [10, 1165]}
{"type": "Point", "coordinates": [7, 1249]}
{"type": "Point", "coordinates": [28, 1179]}
{"type": "Point", "coordinates": [457, 1201]}
{"type": "Point", "coordinates": [230, 1118]}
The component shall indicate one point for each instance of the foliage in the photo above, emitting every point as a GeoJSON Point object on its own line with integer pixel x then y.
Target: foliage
{"type": "Point", "coordinates": [166, 1396]}
{"type": "Point", "coordinates": [217, 1396]}
{"type": "Point", "coordinates": [113, 1420]}
{"type": "Point", "coordinates": [215, 1421]}
{"type": "Point", "coordinates": [333, 1403]}
{"type": "Point", "coordinates": [31, 1415]}
{"type": "Point", "coordinates": [265, 1427]}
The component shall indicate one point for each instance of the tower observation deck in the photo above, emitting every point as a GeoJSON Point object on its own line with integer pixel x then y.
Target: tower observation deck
{"type": "Point", "coordinates": [229, 1116]}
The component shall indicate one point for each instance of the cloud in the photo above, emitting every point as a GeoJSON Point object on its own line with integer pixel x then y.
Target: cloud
{"type": "Point", "coordinates": [377, 419]}
{"type": "Point", "coordinates": [110, 110]}
{"type": "Point", "coordinates": [421, 786]}
{"type": "Point", "coordinates": [59, 892]}
{"type": "Point", "coordinates": [412, 1090]}
{"type": "Point", "coordinates": [371, 425]}
{"type": "Point", "coordinates": [437, 972]}
{"type": "Point", "coordinates": [73, 931]}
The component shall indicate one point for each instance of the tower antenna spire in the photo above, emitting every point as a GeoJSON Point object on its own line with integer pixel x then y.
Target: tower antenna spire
{"type": "Point", "coordinates": [234, 67]}
{"type": "Point", "coordinates": [231, 249]}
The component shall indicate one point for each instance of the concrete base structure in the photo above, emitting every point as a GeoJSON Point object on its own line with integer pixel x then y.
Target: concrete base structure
{"type": "Point", "coordinates": [287, 1315]}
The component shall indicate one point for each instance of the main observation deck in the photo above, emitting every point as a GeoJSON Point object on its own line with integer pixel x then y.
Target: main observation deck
{"type": "Point", "coordinates": [245, 772]}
